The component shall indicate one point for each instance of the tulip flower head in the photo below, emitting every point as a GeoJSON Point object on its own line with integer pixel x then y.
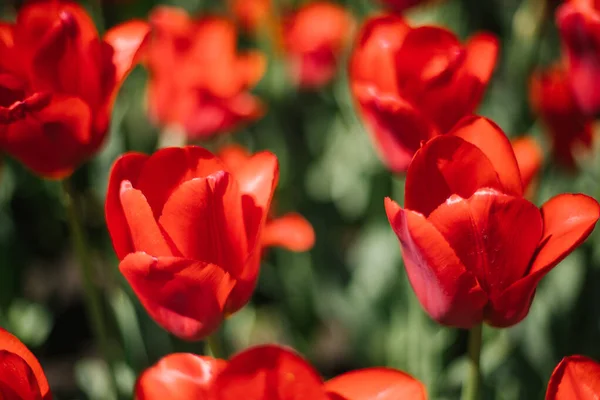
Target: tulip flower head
{"type": "Point", "coordinates": [198, 80]}
{"type": "Point", "coordinates": [268, 373]}
{"type": "Point", "coordinates": [58, 82]}
{"type": "Point", "coordinates": [251, 14]}
{"type": "Point", "coordinates": [188, 233]}
{"type": "Point", "coordinates": [290, 231]}
{"type": "Point", "coordinates": [553, 99]}
{"type": "Point", "coordinates": [411, 84]}
{"type": "Point", "coordinates": [579, 23]}
{"type": "Point", "coordinates": [314, 38]}
{"type": "Point", "coordinates": [474, 248]}
{"type": "Point", "coordinates": [21, 375]}
{"type": "Point", "coordinates": [575, 378]}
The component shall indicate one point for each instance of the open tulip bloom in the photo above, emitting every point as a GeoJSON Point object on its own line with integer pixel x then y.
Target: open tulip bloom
{"type": "Point", "coordinates": [474, 249]}
{"type": "Point", "coordinates": [575, 378]}
{"type": "Point", "coordinates": [268, 373]}
{"type": "Point", "coordinates": [58, 82]}
{"type": "Point", "coordinates": [188, 233]}
{"type": "Point", "coordinates": [21, 375]}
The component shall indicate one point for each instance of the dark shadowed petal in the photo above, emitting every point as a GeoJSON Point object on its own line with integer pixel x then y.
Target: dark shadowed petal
{"type": "Point", "coordinates": [446, 289]}
{"type": "Point", "coordinates": [184, 297]}
{"type": "Point", "coordinates": [575, 378]}
{"type": "Point", "coordinates": [444, 166]}
{"type": "Point", "coordinates": [568, 221]}
{"type": "Point", "coordinates": [179, 376]}
{"type": "Point", "coordinates": [376, 384]}
{"type": "Point", "coordinates": [269, 372]}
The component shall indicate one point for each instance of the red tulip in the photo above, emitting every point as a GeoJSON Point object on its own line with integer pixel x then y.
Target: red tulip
{"type": "Point", "coordinates": [58, 82]}
{"type": "Point", "coordinates": [188, 233]}
{"type": "Point", "coordinates": [290, 231]}
{"type": "Point", "coordinates": [529, 158]}
{"type": "Point", "coordinates": [474, 249]}
{"type": "Point", "coordinates": [579, 25]}
{"type": "Point", "coordinates": [251, 14]}
{"type": "Point", "coordinates": [412, 84]}
{"type": "Point", "coordinates": [552, 98]}
{"type": "Point", "coordinates": [268, 373]}
{"type": "Point", "coordinates": [21, 375]}
{"type": "Point", "coordinates": [314, 38]}
{"type": "Point", "coordinates": [198, 80]}
{"type": "Point", "coordinates": [575, 378]}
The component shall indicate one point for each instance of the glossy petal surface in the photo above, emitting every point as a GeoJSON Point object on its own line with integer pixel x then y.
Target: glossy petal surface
{"type": "Point", "coordinates": [575, 378]}
{"type": "Point", "coordinates": [376, 383]}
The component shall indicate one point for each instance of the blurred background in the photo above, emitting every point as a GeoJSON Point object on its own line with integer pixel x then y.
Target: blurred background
{"type": "Point", "coordinates": [345, 304]}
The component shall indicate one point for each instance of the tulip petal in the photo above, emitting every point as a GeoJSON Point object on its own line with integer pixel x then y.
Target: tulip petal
{"type": "Point", "coordinates": [575, 378]}
{"type": "Point", "coordinates": [54, 141]}
{"type": "Point", "coordinates": [493, 234]}
{"type": "Point", "coordinates": [128, 42]}
{"type": "Point", "coordinates": [446, 289]}
{"type": "Point", "coordinates": [127, 167]}
{"type": "Point", "coordinates": [529, 157]}
{"type": "Point", "coordinates": [257, 182]}
{"type": "Point", "coordinates": [12, 345]}
{"type": "Point", "coordinates": [179, 376]}
{"type": "Point", "coordinates": [489, 138]}
{"type": "Point", "coordinates": [291, 231]}
{"type": "Point", "coordinates": [269, 372]}
{"type": "Point", "coordinates": [167, 168]}
{"type": "Point", "coordinates": [145, 234]}
{"type": "Point", "coordinates": [245, 284]}
{"type": "Point", "coordinates": [376, 383]}
{"type": "Point", "coordinates": [185, 297]}
{"type": "Point", "coordinates": [17, 381]}
{"type": "Point", "coordinates": [203, 217]}
{"type": "Point", "coordinates": [444, 166]}
{"type": "Point", "coordinates": [482, 54]}
{"type": "Point", "coordinates": [568, 221]}
{"type": "Point", "coordinates": [395, 126]}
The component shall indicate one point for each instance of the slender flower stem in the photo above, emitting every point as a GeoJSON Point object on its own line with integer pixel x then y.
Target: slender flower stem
{"type": "Point", "coordinates": [92, 299]}
{"type": "Point", "coordinates": [213, 346]}
{"type": "Point", "coordinates": [472, 386]}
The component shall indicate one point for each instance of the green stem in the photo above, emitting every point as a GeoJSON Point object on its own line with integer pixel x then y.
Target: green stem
{"type": "Point", "coordinates": [213, 346]}
{"type": "Point", "coordinates": [92, 299]}
{"type": "Point", "coordinates": [472, 387]}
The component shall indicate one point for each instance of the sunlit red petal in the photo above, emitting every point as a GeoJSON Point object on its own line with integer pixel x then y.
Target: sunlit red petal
{"type": "Point", "coordinates": [444, 166]}
{"type": "Point", "coordinates": [446, 289]}
{"type": "Point", "coordinates": [127, 167]}
{"type": "Point", "coordinates": [269, 372]}
{"type": "Point", "coordinates": [179, 376]}
{"type": "Point", "coordinates": [376, 383]}
{"type": "Point", "coordinates": [185, 297]}
{"type": "Point", "coordinates": [128, 42]}
{"type": "Point", "coordinates": [204, 219]}
{"type": "Point", "coordinates": [529, 157]}
{"type": "Point", "coordinates": [575, 378]}
{"type": "Point", "coordinates": [568, 221]}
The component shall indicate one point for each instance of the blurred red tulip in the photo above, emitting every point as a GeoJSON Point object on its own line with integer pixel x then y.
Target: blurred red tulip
{"type": "Point", "coordinates": [251, 14]}
{"type": "Point", "coordinates": [198, 80]}
{"type": "Point", "coordinates": [579, 25]}
{"type": "Point", "coordinates": [575, 378]}
{"type": "Point", "coordinates": [403, 5]}
{"type": "Point", "coordinates": [314, 38]}
{"type": "Point", "coordinates": [290, 231]}
{"type": "Point", "coordinates": [58, 82]}
{"type": "Point", "coordinates": [415, 83]}
{"type": "Point", "coordinates": [552, 98]}
{"type": "Point", "coordinates": [529, 158]}
{"type": "Point", "coordinates": [474, 249]}
{"type": "Point", "coordinates": [21, 375]}
{"type": "Point", "coordinates": [188, 233]}
{"type": "Point", "coordinates": [268, 373]}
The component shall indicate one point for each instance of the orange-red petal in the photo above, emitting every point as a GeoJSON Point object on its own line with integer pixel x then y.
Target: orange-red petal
{"type": "Point", "coordinates": [291, 231]}
{"type": "Point", "coordinates": [376, 383]}
{"type": "Point", "coordinates": [529, 157]}
{"type": "Point", "coordinates": [269, 372]}
{"type": "Point", "coordinates": [575, 378]}
{"type": "Point", "coordinates": [179, 376]}
{"type": "Point", "coordinates": [185, 297]}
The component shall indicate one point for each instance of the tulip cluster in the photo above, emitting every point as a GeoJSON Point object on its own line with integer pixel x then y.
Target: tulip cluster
{"type": "Point", "coordinates": [190, 227]}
